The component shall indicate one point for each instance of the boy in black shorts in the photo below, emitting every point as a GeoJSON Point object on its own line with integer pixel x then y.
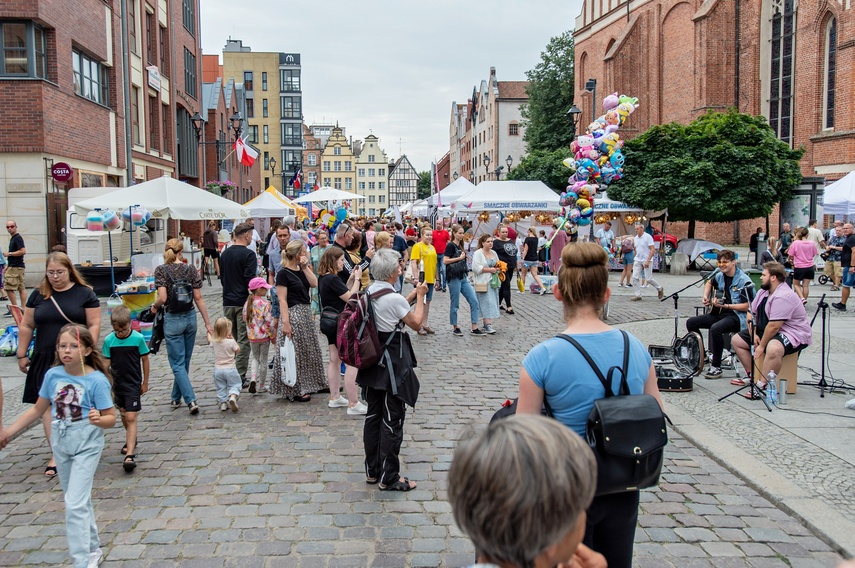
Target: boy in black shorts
{"type": "Point", "coordinates": [127, 351]}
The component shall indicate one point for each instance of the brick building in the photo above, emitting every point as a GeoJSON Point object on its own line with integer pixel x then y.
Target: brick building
{"type": "Point", "coordinates": [793, 63]}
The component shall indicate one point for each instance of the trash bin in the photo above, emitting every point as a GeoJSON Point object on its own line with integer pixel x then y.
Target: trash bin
{"type": "Point", "coordinates": [755, 274]}
{"type": "Point", "coordinates": [761, 248]}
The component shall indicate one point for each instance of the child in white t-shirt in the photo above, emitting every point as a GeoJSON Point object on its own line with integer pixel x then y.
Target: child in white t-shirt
{"type": "Point", "coordinates": [226, 376]}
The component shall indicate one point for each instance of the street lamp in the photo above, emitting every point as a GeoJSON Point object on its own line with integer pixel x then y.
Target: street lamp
{"type": "Point", "coordinates": [456, 175]}
{"type": "Point", "coordinates": [487, 166]}
{"type": "Point", "coordinates": [272, 163]}
{"type": "Point", "coordinates": [509, 160]}
{"type": "Point", "coordinates": [236, 120]}
{"type": "Point", "coordinates": [198, 121]}
{"type": "Point", "coordinates": [591, 87]}
{"type": "Point", "coordinates": [573, 117]}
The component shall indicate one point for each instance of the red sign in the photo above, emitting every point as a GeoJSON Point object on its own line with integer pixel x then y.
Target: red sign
{"type": "Point", "coordinates": [61, 172]}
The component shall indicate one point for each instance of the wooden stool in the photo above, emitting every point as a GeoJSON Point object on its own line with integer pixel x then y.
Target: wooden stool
{"type": "Point", "coordinates": [789, 370]}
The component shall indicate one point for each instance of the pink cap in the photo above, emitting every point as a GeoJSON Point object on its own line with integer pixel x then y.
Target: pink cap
{"type": "Point", "coordinates": [257, 283]}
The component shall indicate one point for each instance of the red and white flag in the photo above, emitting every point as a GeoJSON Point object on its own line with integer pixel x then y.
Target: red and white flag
{"type": "Point", "coordinates": [245, 153]}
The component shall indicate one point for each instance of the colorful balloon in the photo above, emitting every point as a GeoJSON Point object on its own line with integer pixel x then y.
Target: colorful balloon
{"type": "Point", "coordinates": [611, 102]}
{"type": "Point", "coordinates": [341, 214]}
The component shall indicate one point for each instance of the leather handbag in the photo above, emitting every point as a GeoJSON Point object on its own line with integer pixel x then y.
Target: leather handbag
{"type": "Point", "coordinates": [482, 287]}
{"type": "Point", "coordinates": [627, 433]}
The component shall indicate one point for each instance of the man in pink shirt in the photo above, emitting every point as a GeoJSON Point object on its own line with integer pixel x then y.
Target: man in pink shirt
{"type": "Point", "coordinates": [781, 325]}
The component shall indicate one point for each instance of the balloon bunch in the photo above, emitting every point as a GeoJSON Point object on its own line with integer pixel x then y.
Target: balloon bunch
{"type": "Point", "coordinates": [597, 161]}
{"type": "Point", "coordinates": [332, 219]}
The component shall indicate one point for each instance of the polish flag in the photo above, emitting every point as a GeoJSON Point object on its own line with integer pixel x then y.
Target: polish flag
{"type": "Point", "coordinates": [245, 153]}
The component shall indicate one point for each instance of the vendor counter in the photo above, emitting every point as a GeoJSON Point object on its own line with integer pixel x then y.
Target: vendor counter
{"type": "Point", "coordinates": [99, 277]}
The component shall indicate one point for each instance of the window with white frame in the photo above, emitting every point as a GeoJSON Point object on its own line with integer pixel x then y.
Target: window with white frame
{"type": "Point", "coordinates": [361, 172]}
{"type": "Point", "coordinates": [371, 199]}
{"type": "Point", "coordinates": [371, 185]}
{"type": "Point", "coordinates": [337, 165]}
{"type": "Point", "coordinates": [312, 160]}
{"type": "Point", "coordinates": [371, 172]}
{"type": "Point", "coordinates": [361, 185]}
{"type": "Point", "coordinates": [348, 166]}
{"type": "Point", "coordinates": [371, 159]}
{"type": "Point", "coordinates": [381, 185]}
{"type": "Point", "coordinates": [326, 165]}
{"type": "Point", "coordinates": [381, 172]}
{"type": "Point", "coordinates": [337, 151]}
{"type": "Point", "coordinates": [337, 183]}
{"type": "Point", "coordinates": [327, 182]}
{"type": "Point", "coordinates": [381, 199]}
{"type": "Point", "coordinates": [348, 183]}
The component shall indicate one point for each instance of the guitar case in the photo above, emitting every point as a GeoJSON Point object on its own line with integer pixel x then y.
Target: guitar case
{"type": "Point", "coordinates": [678, 364]}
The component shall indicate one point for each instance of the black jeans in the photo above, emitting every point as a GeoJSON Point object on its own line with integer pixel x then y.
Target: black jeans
{"type": "Point", "coordinates": [610, 527]}
{"type": "Point", "coordinates": [383, 434]}
{"type": "Point", "coordinates": [505, 289]}
{"type": "Point", "coordinates": [718, 326]}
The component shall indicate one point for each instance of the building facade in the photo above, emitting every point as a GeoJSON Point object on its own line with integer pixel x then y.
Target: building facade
{"type": "Point", "coordinates": [403, 182]}
{"type": "Point", "coordinates": [488, 130]}
{"type": "Point", "coordinates": [792, 62]}
{"type": "Point", "coordinates": [338, 169]}
{"type": "Point", "coordinates": [312, 149]}
{"type": "Point", "coordinates": [274, 109]}
{"type": "Point", "coordinates": [372, 178]}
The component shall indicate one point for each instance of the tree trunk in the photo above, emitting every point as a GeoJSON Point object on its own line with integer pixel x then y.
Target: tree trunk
{"type": "Point", "coordinates": [692, 229]}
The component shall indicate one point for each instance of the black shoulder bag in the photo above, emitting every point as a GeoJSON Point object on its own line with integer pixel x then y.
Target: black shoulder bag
{"type": "Point", "coordinates": [626, 432]}
{"type": "Point", "coordinates": [329, 315]}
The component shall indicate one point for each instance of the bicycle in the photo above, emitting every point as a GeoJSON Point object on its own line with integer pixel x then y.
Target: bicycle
{"type": "Point", "coordinates": [206, 269]}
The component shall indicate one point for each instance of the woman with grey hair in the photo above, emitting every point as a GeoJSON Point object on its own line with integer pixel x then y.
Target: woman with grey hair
{"type": "Point", "coordinates": [392, 383]}
{"type": "Point", "coordinates": [519, 488]}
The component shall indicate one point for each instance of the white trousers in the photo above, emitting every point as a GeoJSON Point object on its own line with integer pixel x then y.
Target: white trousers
{"type": "Point", "coordinates": [639, 271]}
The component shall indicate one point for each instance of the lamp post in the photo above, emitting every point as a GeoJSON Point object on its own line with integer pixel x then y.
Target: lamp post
{"type": "Point", "coordinates": [236, 121]}
{"type": "Point", "coordinates": [272, 163]}
{"type": "Point", "coordinates": [456, 175]}
{"type": "Point", "coordinates": [573, 117]}
{"type": "Point", "coordinates": [499, 172]}
{"type": "Point", "coordinates": [591, 87]}
{"type": "Point", "coordinates": [486, 166]}
{"type": "Point", "coordinates": [509, 160]}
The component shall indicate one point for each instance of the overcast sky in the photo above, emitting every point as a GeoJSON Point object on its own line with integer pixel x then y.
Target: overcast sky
{"type": "Point", "coordinates": [393, 68]}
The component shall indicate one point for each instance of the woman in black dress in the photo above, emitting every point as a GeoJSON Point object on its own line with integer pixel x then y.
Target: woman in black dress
{"type": "Point", "coordinates": [63, 297]}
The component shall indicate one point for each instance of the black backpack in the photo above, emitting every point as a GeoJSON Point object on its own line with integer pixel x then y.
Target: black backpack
{"type": "Point", "coordinates": [181, 298]}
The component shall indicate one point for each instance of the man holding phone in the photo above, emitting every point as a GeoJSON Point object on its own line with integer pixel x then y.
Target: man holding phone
{"type": "Point", "coordinates": [423, 260]}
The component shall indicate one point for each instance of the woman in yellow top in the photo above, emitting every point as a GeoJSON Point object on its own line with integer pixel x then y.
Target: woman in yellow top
{"type": "Point", "coordinates": [423, 261]}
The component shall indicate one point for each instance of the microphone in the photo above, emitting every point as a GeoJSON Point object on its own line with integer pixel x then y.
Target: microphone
{"type": "Point", "coordinates": [711, 274]}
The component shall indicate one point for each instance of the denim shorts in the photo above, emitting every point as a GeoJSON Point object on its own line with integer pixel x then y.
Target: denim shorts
{"type": "Point", "coordinates": [848, 277]}
{"type": "Point", "coordinates": [531, 263]}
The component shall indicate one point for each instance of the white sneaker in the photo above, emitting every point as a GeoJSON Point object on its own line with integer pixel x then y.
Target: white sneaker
{"type": "Point", "coordinates": [233, 403]}
{"type": "Point", "coordinates": [224, 406]}
{"type": "Point", "coordinates": [358, 408]}
{"type": "Point", "coordinates": [96, 558]}
{"type": "Point", "coordinates": [338, 402]}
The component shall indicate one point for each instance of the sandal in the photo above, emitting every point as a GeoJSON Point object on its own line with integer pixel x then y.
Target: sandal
{"type": "Point", "coordinates": [125, 448]}
{"type": "Point", "coordinates": [129, 464]}
{"type": "Point", "coordinates": [50, 471]}
{"type": "Point", "coordinates": [400, 485]}
{"type": "Point", "coordinates": [510, 311]}
{"type": "Point", "coordinates": [304, 398]}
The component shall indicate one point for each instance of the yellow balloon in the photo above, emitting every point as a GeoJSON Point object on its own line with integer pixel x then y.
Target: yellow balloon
{"type": "Point", "coordinates": [583, 203]}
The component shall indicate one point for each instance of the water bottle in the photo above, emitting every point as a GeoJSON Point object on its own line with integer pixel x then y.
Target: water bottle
{"type": "Point", "coordinates": [772, 387]}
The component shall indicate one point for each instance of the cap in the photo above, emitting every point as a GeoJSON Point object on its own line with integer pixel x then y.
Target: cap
{"type": "Point", "coordinates": [257, 283]}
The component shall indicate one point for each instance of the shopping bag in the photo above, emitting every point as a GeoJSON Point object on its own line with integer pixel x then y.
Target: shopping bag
{"type": "Point", "coordinates": [288, 362]}
{"type": "Point", "coordinates": [520, 283]}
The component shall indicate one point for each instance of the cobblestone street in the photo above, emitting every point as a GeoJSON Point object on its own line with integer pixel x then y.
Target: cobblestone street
{"type": "Point", "coordinates": [281, 484]}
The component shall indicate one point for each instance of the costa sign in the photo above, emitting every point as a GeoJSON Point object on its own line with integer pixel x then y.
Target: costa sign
{"type": "Point", "coordinates": [61, 172]}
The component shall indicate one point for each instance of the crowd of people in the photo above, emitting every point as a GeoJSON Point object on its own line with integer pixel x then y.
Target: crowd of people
{"type": "Point", "coordinates": [273, 289]}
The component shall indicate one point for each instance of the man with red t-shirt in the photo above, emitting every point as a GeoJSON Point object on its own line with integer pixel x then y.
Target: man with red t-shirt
{"type": "Point", "coordinates": [512, 234]}
{"type": "Point", "coordinates": [411, 234]}
{"type": "Point", "coordinates": [440, 241]}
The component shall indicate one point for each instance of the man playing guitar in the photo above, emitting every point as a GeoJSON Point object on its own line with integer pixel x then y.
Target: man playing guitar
{"type": "Point", "coordinates": [727, 307]}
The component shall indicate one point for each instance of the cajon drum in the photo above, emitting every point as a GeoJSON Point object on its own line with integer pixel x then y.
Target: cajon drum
{"type": "Point", "coordinates": [789, 370]}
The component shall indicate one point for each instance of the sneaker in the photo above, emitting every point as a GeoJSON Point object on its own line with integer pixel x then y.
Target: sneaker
{"type": "Point", "coordinates": [175, 404]}
{"type": "Point", "coordinates": [488, 329]}
{"type": "Point", "coordinates": [224, 406]}
{"type": "Point", "coordinates": [661, 293]}
{"type": "Point", "coordinates": [477, 331]}
{"type": "Point", "coordinates": [252, 389]}
{"type": "Point", "coordinates": [194, 408]}
{"type": "Point", "coordinates": [839, 306]}
{"type": "Point", "coordinates": [262, 389]}
{"type": "Point", "coordinates": [233, 403]}
{"type": "Point", "coordinates": [635, 299]}
{"type": "Point", "coordinates": [357, 409]}
{"type": "Point", "coordinates": [713, 373]}
{"type": "Point", "coordinates": [457, 332]}
{"type": "Point", "coordinates": [741, 382]}
{"type": "Point", "coordinates": [543, 291]}
{"type": "Point", "coordinates": [339, 402]}
{"type": "Point", "coordinates": [96, 557]}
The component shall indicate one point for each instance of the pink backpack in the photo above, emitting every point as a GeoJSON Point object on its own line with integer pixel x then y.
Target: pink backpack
{"type": "Point", "coordinates": [356, 335]}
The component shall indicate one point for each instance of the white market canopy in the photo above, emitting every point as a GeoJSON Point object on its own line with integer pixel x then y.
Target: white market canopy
{"type": "Point", "coordinates": [458, 188]}
{"type": "Point", "coordinates": [510, 195]}
{"type": "Point", "coordinates": [271, 203]}
{"type": "Point", "coordinates": [328, 194]}
{"type": "Point", "coordinates": [168, 198]}
{"type": "Point", "coordinates": [839, 197]}
{"type": "Point", "coordinates": [602, 204]}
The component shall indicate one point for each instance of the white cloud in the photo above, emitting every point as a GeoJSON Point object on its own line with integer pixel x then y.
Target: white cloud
{"type": "Point", "coordinates": [393, 68]}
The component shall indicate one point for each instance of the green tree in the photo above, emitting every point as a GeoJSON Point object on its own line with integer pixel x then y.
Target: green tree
{"type": "Point", "coordinates": [423, 187]}
{"type": "Point", "coordinates": [724, 166]}
{"type": "Point", "coordinates": [550, 96]}
{"type": "Point", "coordinates": [544, 166]}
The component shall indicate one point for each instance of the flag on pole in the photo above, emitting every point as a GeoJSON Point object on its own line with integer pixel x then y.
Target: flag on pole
{"type": "Point", "coordinates": [438, 191]}
{"type": "Point", "coordinates": [245, 153]}
{"type": "Point", "coordinates": [295, 179]}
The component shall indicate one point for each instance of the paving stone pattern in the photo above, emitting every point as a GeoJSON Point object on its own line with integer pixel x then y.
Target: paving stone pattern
{"type": "Point", "coordinates": [282, 484]}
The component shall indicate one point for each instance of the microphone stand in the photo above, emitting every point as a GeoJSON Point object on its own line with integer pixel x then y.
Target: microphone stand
{"type": "Point", "coordinates": [822, 305]}
{"type": "Point", "coordinates": [754, 393]}
{"type": "Point", "coordinates": [676, 297]}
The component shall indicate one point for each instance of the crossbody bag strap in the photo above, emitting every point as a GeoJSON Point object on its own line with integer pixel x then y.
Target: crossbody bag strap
{"type": "Point", "coordinates": [606, 382]}
{"type": "Point", "coordinates": [62, 313]}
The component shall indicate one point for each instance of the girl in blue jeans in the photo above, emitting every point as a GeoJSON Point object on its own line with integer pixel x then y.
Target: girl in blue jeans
{"type": "Point", "coordinates": [78, 393]}
{"type": "Point", "coordinates": [457, 281]}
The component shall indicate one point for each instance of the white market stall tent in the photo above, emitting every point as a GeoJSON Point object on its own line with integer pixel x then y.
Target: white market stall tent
{"type": "Point", "coordinates": [168, 198]}
{"type": "Point", "coordinates": [839, 197]}
{"type": "Point", "coordinates": [510, 195]}
{"type": "Point", "coordinates": [271, 203]}
{"type": "Point", "coordinates": [458, 188]}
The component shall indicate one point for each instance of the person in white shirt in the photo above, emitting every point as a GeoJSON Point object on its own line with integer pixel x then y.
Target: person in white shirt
{"type": "Point", "coordinates": [253, 245]}
{"type": "Point", "coordinates": [645, 248]}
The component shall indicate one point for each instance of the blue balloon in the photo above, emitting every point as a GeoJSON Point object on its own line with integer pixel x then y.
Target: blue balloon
{"type": "Point", "coordinates": [341, 214]}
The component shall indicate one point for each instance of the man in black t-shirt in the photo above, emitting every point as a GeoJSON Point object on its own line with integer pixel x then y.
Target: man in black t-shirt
{"type": "Point", "coordinates": [238, 265]}
{"type": "Point", "coordinates": [847, 266]}
{"type": "Point", "coordinates": [15, 269]}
